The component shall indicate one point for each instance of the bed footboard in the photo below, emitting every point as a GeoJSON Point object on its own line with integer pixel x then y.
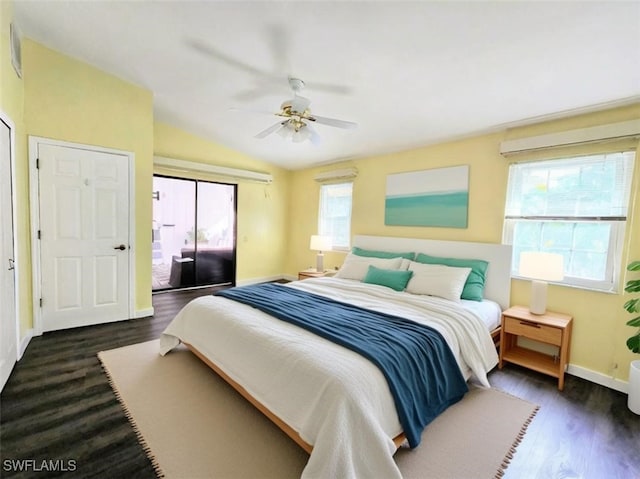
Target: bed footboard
{"type": "Point", "coordinates": [288, 430]}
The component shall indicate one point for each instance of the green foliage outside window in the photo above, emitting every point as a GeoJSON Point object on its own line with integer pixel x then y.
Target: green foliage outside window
{"type": "Point", "coordinates": [200, 237]}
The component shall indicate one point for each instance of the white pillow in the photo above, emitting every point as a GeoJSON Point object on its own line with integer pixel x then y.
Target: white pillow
{"type": "Point", "coordinates": [437, 280]}
{"type": "Point", "coordinates": [356, 267]}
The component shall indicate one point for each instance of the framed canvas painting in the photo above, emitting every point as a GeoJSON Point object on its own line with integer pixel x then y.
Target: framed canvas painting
{"type": "Point", "coordinates": [437, 197]}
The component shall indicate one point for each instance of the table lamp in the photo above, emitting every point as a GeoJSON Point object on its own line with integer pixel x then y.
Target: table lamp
{"type": "Point", "coordinates": [540, 267]}
{"type": "Point", "coordinates": [320, 243]}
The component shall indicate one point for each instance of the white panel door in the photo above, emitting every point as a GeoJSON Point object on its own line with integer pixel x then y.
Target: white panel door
{"type": "Point", "coordinates": [8, 320]}
{"type": "Point", "coordinates": [84, 234]}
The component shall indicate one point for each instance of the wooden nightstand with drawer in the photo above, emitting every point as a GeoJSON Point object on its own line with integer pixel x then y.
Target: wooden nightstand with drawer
{"type": "Point", "coordinates": [313, 273]}
{"type": "Point", "coordinates": [549, 328]}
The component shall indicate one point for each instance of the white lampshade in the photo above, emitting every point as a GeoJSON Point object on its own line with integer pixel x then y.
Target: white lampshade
{"type": "Point", "coordinates": [320, 243]}
{"type": "Point", "coordinates": [541, 266]}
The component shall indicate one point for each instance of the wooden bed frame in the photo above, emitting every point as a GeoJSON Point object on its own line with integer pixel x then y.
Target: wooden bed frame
{"type": "Point", "coordinates": [288, 430]}
{"type": "Point", "coordinates": [498, 290]}
{"type": "Point", "coordinates": [495, 335]}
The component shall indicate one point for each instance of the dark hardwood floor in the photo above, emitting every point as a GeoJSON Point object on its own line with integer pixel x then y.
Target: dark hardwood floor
{"type": "Point", "coordinates": [58, 407]}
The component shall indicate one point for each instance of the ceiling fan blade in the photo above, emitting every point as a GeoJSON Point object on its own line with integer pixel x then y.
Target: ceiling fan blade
{"type": "Point", "coordinates": [329, 88]}
{"type": "Point", "coordinates": [278, 40]}
{"type": "Point", "coordinates": [272, 129]}
{"type": "Point", "coordinates": [212, 52]}
{"type": "Point", "coordinates": [297, 85]}
{"type": "Point", "coordinates": [253, 94]}
{"type": "Point", "coordinates": [250, 110]}
{"type": "Point", "coordinates": [347, 125]}
{"type": "Point", "coordinates": [314, 138]}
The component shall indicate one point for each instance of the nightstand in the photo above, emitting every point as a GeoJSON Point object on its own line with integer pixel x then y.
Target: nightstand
{"type": "Point", "coordinates": [312, 273]}
{"type": "Point", "coordinates": [549, 328]}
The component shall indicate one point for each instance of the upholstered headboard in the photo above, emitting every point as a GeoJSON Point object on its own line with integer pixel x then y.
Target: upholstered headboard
{"type": "Point", "coordinates": [498, 282]}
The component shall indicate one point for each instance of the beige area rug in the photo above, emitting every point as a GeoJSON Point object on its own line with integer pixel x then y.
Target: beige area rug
{"type": "Point", "coordinates": [193, 425]}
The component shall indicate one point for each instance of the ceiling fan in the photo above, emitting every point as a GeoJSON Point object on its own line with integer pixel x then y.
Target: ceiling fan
{"type": "Point", "coordinates": [298, 119]}
{"type": "Point", "coordinates": [267, 80]}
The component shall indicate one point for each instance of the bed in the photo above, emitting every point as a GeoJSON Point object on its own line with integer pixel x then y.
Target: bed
{"type": "Point", "coordinates": [331, 400]}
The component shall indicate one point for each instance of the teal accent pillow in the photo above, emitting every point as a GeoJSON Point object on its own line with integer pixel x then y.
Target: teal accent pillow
{"type": "Point", "coordinates": [474, 287]}
{"type": "Point", "coordinates": [381, 254]}
{"type": "Point", "coordinates": [391, 278]}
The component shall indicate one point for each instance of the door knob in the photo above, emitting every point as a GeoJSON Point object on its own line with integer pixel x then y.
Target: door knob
{"type": "Point", "coordinates": [12, 264]}
{"type": "Point", "coordinates": [121, 247]}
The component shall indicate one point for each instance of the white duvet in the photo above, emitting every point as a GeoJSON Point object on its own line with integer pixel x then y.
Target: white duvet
{"type": "Point", "coordinates": [338, 401]}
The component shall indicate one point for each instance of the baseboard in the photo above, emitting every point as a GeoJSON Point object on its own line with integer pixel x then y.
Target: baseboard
{"type": "Point", "coordinates": [599, 378]}
{"type": "Point", "coordinates": [265, 279]}
{"type": "Point", "coordinates": [143, 313]}
{"type": "Point", "coordinates": [24, 342]}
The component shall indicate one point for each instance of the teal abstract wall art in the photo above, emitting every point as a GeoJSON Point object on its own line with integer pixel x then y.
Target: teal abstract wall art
{"type": "Point", "coordinates": [438, 197]}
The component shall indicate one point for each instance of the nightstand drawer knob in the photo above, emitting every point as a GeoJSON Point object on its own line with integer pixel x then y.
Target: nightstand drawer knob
{"type": "Point", "coordinates": [531, 325]}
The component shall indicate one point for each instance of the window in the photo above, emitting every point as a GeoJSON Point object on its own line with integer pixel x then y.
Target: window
{"type": "Point", "coordinates": [334, 216]}
{"type": "Point", "coordinates": [576, 207]}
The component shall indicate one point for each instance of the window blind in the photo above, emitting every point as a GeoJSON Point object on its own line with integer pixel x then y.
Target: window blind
{"type": "Point", "coordinates": [587, 188]}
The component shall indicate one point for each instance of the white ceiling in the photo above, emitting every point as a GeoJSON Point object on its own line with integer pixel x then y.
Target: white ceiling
{"type": "Point", "coordinates": [409, 73]}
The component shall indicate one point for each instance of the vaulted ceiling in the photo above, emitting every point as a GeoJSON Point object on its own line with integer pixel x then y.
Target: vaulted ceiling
{"type": "Point", "coordinates": [408, 73]}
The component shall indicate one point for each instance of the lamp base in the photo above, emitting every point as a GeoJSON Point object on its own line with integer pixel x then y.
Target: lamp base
{"type": "Point", "coordinates": [538, 297]}
{"type": "Point", "coordinates": [320, 262]}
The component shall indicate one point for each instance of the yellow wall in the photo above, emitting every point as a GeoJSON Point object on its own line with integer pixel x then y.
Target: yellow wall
{"type": "Point", "coordinates": [11, 103]}
{"type": "Point", "coordinates": [486, 206]}
{"type": "Point", "coordinates": [599, 331]}
{"type": "Point", "coordinates": [65, 99]}
{"type": "Point", "coordinates": [262, 209]}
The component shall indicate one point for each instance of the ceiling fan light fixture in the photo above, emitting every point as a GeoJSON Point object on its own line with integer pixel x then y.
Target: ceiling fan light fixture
{"type": "Point", "coordinates": [295, 131]}
{"type": "Point", "coordinates": [297, 138]}
{"type": "Point", "coordinates": [286, 131]}
{"type": "Point", "coordinates": [303, 134]}
{"type": "Point", "coordinates": [298, 119]}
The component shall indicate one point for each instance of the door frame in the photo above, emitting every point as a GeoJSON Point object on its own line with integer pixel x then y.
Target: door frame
{"type": "Point", "coordinates": [16, 272]}
{"type": "Point", "coordinates": [197, 181]}
{"type": "Point", "coordinates": [34, 201]}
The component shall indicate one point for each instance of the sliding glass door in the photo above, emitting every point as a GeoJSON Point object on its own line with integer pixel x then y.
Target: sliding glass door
{"type": "Point", "coordinates": [194, 233]}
